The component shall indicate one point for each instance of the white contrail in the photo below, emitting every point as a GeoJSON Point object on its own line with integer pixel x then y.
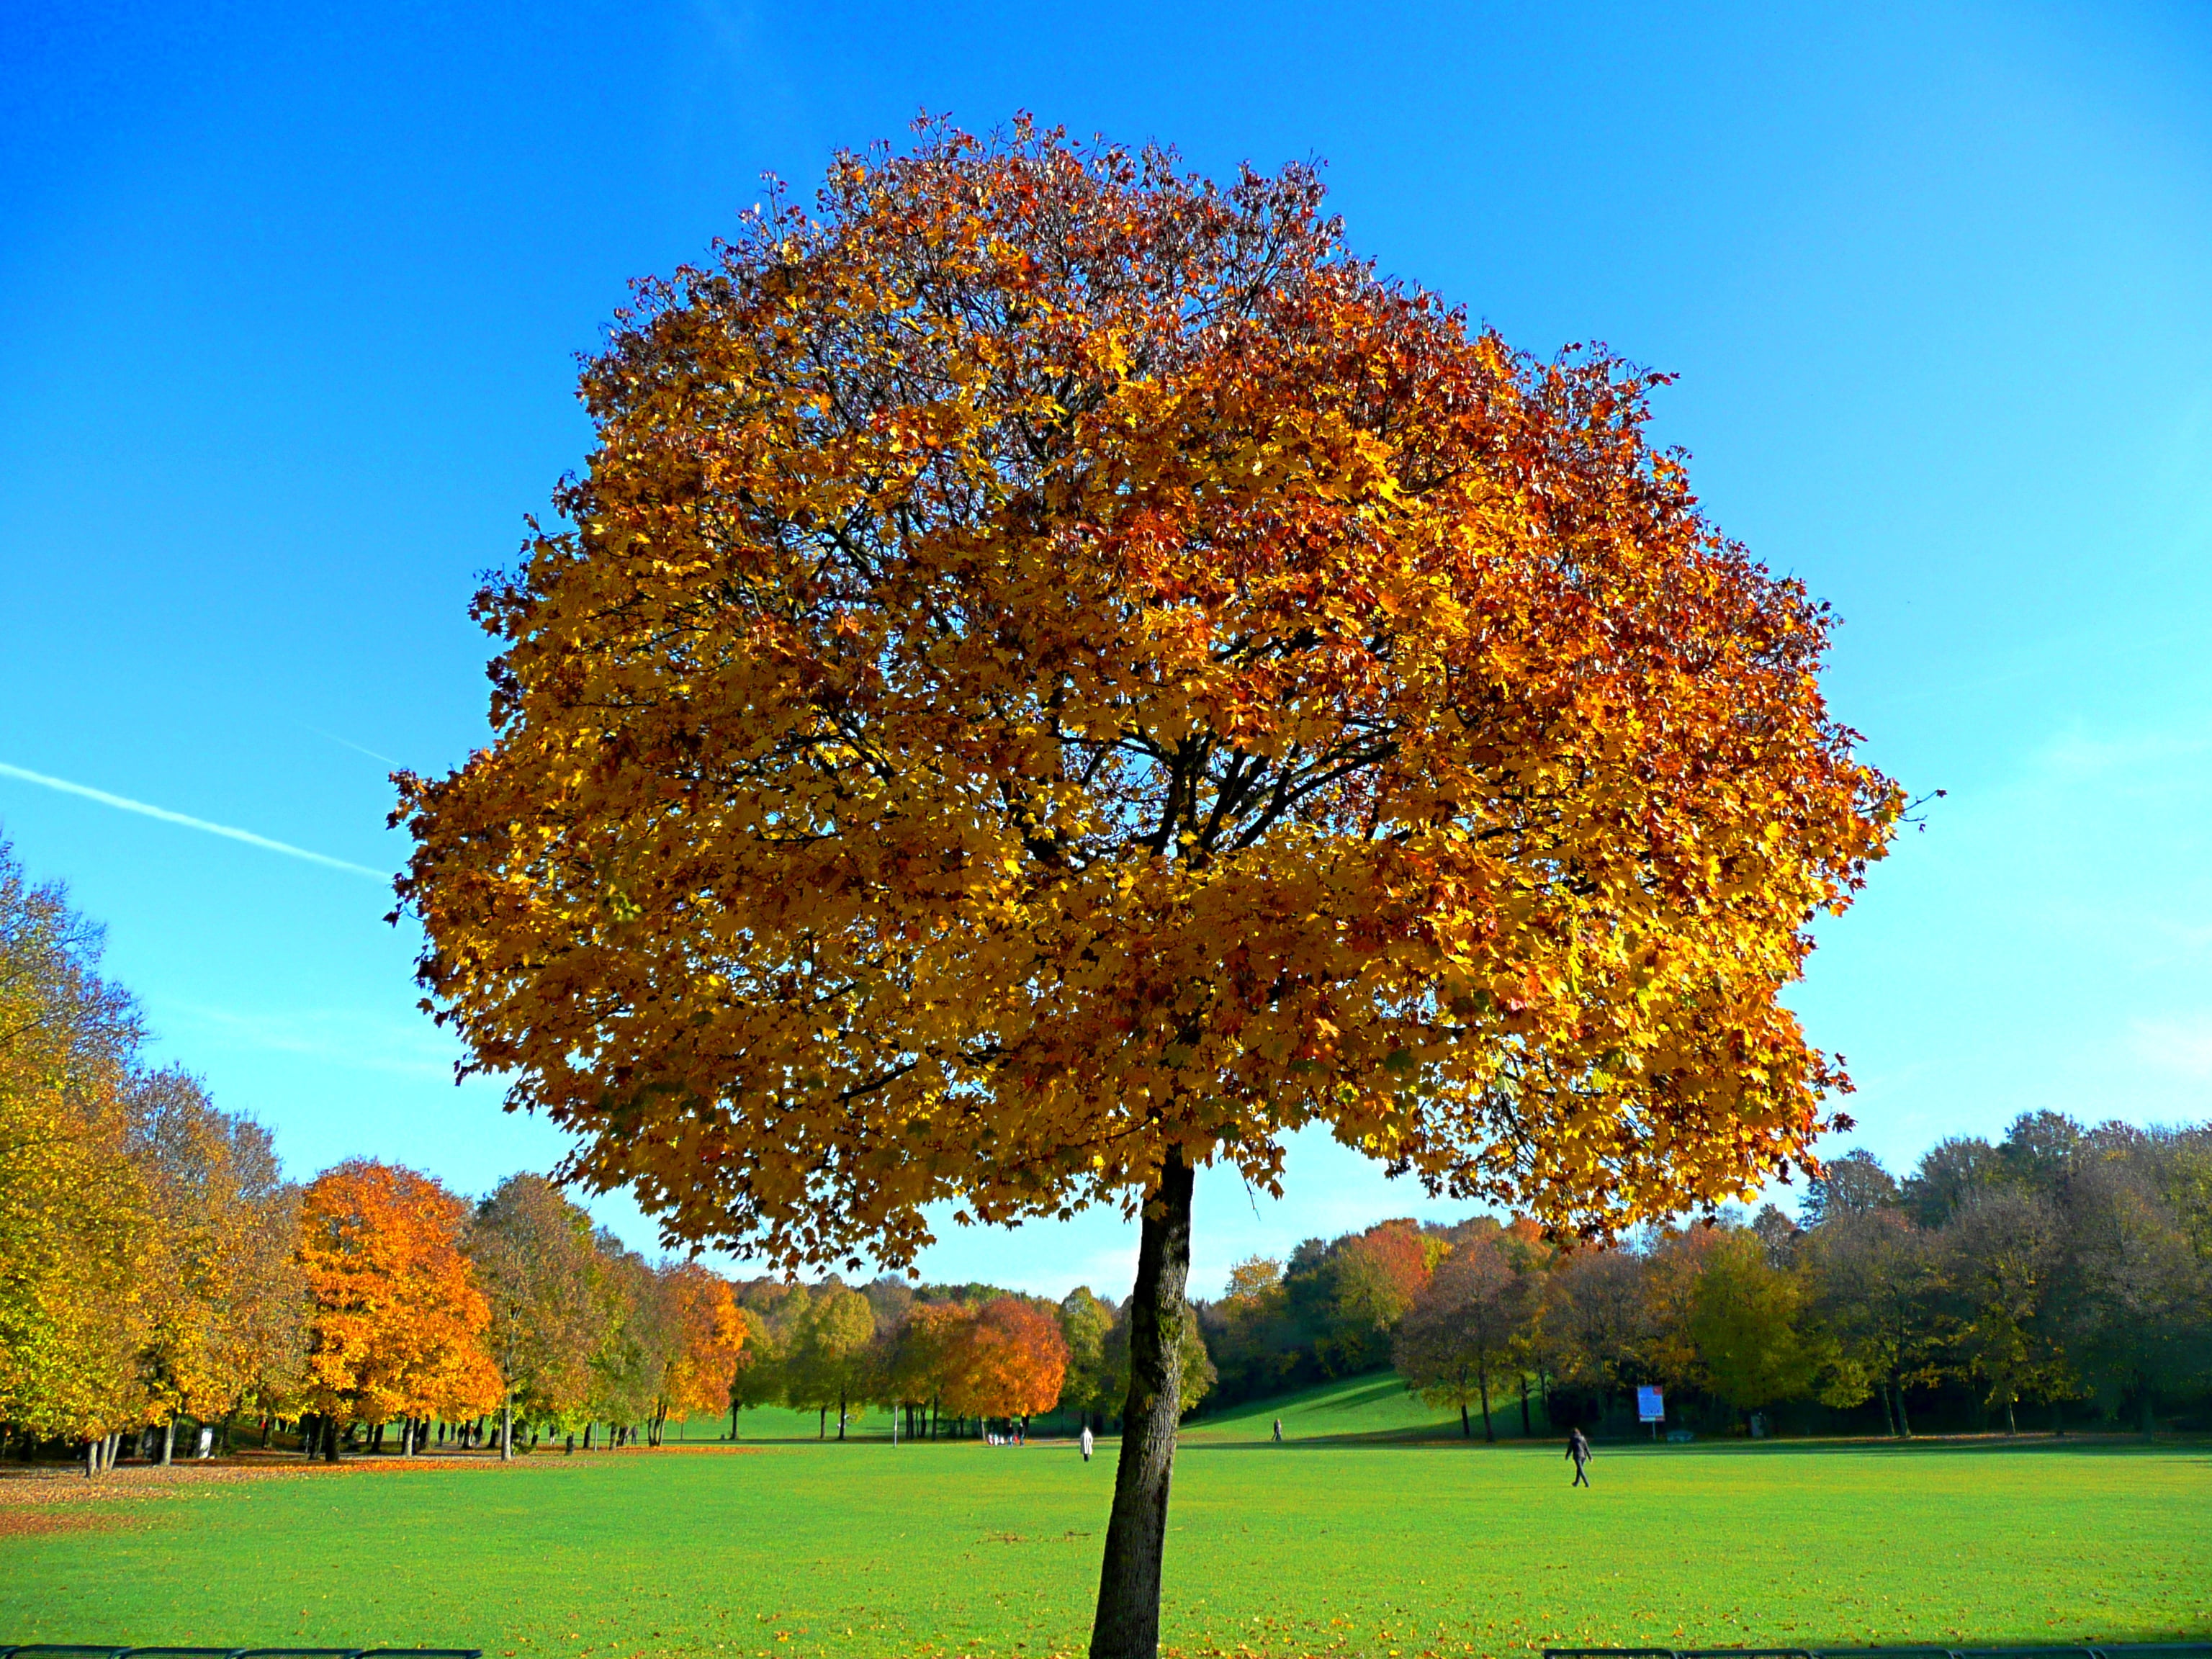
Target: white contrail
{"type": "Point", "coordinates": [168, 817]}
{"type": "Point", "coordinates": [346, 743]}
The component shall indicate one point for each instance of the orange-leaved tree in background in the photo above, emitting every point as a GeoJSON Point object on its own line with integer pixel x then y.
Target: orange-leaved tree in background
{"type": "Point", "coordinates": [397, 1328]}
{"type": "Point", "coordinates": [1012, 1362]}
{"type": "Point", "coordinates": [702, 1362]}
{"type": "Point", "coordinates": [1057, 674]}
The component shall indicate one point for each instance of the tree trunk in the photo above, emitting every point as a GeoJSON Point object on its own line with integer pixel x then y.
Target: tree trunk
{"type": "Point", "coordinates": [1527, 1431]}
{"type": "Point", "coordinates": [2011, 1427]}
{"type": "Point", "coordinates": [1489, 1431]}
{"type": "Point", "coordinates": [330, 1439]}
{"type": "Point", "coordinates": [1888, 1421]}
{"type": "Point", "coordinates": [1465, 1428]}
{"type": "Point", "coordinates": [169, 1440]}
{"type": "Point", "coordinates": [1127, 1626]}
{"type": "Point", "coordinates": [733, 1419]}
{"type": "Point", "coordinates": [822, 1424]}
{"type": "Point", "coordinates": [841, 1414]}
{"type": "Point", "coordinates": [506, 1427]}
{"type": "Point", "coordinates": [1904, 1422]}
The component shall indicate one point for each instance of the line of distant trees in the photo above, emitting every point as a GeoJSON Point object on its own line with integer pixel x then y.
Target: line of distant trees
{"type": "Point", "coordinates": [157, 1270]}
{"type": "Point", "coordinates": [950, 1359]}
{"type": "Point", "coordinates": [2064, 1271]}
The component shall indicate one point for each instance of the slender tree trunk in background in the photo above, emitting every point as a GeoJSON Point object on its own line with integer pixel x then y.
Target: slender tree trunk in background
{"type": "Point", "coordinates": [2057, 1420]}
{"type": "Point", "coordinates": [169, 1440]}
{"type": "Point", "coordinates": [2146, 1399]}
{"type": "Point", "coordinates": [2011, 1427]}
{"type": "Point", "coordinates": [1888, 1422]}
{"type": "Point", "coordinates": [840, 1413]}
{"type": "Point", "coordinates": [1489, 1431]}
{"type": "Point", "coordinates": [506, 1427]}
{"type": "Point", "coordinates": [1904, 1423]}
{"type": "Point", "coordinates": [1127, 1626]}
{"type": "Point", "coordinates": [330, 1438]}
{"type": "Point", "coordinates": [733, 1419]}
{"type": "Point", "coordinates": [1465, 1428]}
{"type": "Point", "coordinates": [1527, 1431]}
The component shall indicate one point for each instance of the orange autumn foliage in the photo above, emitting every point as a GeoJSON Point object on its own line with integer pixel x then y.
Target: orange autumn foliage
{"type": "Point", "coordinates": [1405, 1258]}
{"type": "Point", "coordinates": [1011, 1360]}
{"type": "Point", "coordinates": [710, 1338]}
{"type": "Point", "coordinates": [1057, 670]}
{"type": "Point", "coordinates": [398, 1322]}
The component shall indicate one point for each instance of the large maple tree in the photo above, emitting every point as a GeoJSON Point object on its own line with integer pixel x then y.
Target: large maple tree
{"type": "Point", "coordinates": [1056, 674]}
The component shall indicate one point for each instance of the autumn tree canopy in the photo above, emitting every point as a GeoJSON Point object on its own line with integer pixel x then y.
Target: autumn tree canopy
{"type": "Point", "coordinates": [1056, 673]}
{"type": "Point", "coordinates": [397, 1317]}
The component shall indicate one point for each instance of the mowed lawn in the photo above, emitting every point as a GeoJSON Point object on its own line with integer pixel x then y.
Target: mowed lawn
{"type": "Point", "coordinates": [1426, 1547]}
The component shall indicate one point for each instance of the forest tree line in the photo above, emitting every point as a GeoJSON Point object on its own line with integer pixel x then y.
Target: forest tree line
{"type": "Point", "coordinates": [156, 1268]}
{"type": "Point", "coordinates": [2062, 1270]}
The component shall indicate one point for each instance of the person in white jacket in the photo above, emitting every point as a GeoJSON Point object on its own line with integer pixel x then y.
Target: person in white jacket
{"type": "Point", "coordinates": [1087, 1443]}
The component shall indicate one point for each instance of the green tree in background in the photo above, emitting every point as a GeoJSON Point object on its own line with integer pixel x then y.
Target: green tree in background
{"type": "Point", "coordinates": [531, 1250]}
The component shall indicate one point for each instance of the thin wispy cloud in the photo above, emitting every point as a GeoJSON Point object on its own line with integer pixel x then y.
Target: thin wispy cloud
{"type": "Point", "coordinates": [124, 803]}
{"type": "Point", "coordinates": [2183, 1046]}
{"type": "Point", "coordinates": [330, 1037]}
{"type": "Point", "coordinates": [347, 743]}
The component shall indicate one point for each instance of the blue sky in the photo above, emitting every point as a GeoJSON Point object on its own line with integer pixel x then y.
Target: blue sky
{"type": "Point", "coordinates": [289, 299]}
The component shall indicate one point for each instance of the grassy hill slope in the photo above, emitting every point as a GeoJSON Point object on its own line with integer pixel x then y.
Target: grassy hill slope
{"type": "Point", "coordinates": [1373, 1409]}
{"type": "Point", "coordinates": [1367, 1409]}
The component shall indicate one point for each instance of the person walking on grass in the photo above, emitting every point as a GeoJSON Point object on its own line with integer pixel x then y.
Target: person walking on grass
{"type": "Point", "coordinates": [1579, 1449]}
{"type": "Point", "coordinates": [1087, 1443]}
{"type": "Point", "coordinates": [1279, 1430]}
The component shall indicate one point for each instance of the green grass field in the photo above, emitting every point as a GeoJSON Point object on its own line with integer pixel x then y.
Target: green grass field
{"type": "Point", "coordinates": [1324, 1545]}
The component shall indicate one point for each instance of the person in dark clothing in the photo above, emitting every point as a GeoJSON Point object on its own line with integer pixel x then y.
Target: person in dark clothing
{"type": "Point", "coordinates": [1579, 1449]}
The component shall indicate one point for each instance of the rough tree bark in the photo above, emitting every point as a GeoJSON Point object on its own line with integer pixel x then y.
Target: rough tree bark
{"type": "Point", "coordinates": [506, 1428]}
{"type": "Point", "coordinates": [1128, 1622]}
